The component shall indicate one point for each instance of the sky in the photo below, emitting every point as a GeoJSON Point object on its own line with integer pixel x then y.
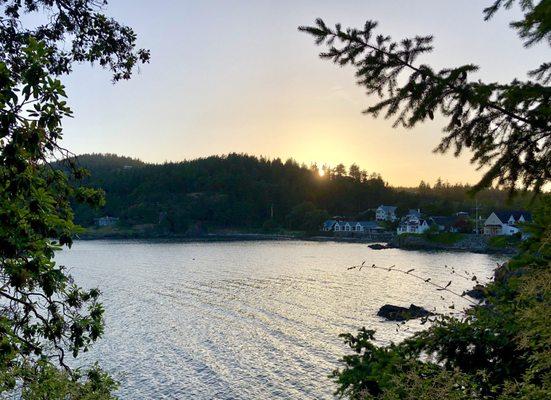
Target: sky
{"type": "Point", "coordinates": [237, 76]}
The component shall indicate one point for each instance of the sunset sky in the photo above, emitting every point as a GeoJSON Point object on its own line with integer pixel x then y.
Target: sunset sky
{"type": "Point", "coordinates": [237, 76]}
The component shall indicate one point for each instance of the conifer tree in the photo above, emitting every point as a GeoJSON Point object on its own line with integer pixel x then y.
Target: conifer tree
{"type": "Point", "coordinates": [507, 127]}
{"type": "Point", "coordinates": [501, 348]}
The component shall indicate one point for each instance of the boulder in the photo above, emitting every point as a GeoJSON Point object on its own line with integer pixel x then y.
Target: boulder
{"type": "Point", "coordinates": [377, 246]}
{"type": "Point", "coordinates": [397, 313]}
{"type": "Point", "coordinates": [477, 292]}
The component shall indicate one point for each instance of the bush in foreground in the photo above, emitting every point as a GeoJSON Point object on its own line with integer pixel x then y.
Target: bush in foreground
{"type": "Point", "coordinates": [501, 349]}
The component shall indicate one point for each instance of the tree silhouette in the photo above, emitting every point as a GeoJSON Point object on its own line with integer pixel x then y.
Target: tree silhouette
{"type": "Point", "coordinates": [500, 350]}
{"type": "Point", "coordinates": [507, 127]}
{"type": "Point", "coordinates": [44, 315]}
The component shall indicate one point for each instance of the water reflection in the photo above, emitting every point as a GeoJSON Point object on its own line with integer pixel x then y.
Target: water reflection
{"type": "Point", "coordinates": [248, 320]}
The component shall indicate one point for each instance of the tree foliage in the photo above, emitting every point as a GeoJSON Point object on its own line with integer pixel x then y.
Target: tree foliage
{"type": "Point", "coordinates": [306, 217]}
{"type": "Point", "coordinates": [507, 127]}
{"type": "Point", "coordinates": [73, 31]}
{"type": "Point", "coordinates": [44, 315]}
{"type": "Point", "coordinates": [501, 348]}
{"type": "Point", "coordinates": [240, 191]}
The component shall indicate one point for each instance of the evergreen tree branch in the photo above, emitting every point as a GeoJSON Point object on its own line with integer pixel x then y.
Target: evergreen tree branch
{"type": "Point", "coordinates": [507, 127]}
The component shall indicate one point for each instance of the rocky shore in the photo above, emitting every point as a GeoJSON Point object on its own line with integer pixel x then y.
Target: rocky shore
{"type": "Point", "coordinates": [472, 243]}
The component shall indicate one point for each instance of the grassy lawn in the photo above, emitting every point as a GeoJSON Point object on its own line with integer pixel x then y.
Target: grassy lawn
{"type": "Point", "coordinates": [503, 241]}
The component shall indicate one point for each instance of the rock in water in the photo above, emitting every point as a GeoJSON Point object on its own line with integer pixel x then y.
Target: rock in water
{"type": "Point", "coordinates": [397, 313]}
{"type": "Point", "coordinates": [477, 292]}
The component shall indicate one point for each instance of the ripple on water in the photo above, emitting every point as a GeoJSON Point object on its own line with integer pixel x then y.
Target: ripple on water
{"type": "Point", "coordinates": [247, 320]}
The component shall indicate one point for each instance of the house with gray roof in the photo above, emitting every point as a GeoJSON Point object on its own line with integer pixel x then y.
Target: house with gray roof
{"type": "Point", "coordinates": [506, 222]}
{"type": "Point", "coordinates": [329, 225]}
{"type": "Point", "coordinates": [414, 225]}
{"type": "Point", "coordinates": [368, 227]}
{"type": "Point", "coordinates": [361, 227]}
{"type": "Point", "coordinates": [106, 221]}
{"type": "Point", "coordinates": [385, 213]}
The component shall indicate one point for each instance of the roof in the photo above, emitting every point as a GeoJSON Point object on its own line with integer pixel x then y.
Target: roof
{"type": "Point", "coordinates": [504, 216]}
{"type": "Point", "coordinates": [369, 224]}
{"type": "Point", "coordinates": [388, 208]}
{"type": "Point", "coordinates": [329, 223]}
{"type": "Point", "coordinates": [107, 217]}
{"type": "Point", "coordinates": [417, 213]}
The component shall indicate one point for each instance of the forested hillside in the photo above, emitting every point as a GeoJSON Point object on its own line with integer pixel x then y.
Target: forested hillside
{"type": "Point", "coordinates": [240, 191]}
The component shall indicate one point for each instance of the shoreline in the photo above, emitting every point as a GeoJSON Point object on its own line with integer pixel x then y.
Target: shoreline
{"type": "Point", "coordinates": [250, 237]}
{"type": "Point", "coordinates": [230, 237]}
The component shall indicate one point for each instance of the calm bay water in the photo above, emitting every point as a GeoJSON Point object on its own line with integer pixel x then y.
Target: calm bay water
{"type": "Point", "coordinates": [249, 320]}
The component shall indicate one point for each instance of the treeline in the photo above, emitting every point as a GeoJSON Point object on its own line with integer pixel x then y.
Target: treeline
{"type": "Point", "coordinates": [243, 191]}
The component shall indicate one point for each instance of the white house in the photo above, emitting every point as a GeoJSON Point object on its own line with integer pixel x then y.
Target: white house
{"type": "Point", "coordinates": [106, 221]}
{"type": "Point", "coordinates": [352, 226]}
{"type": "Point", "coordinates": [344, 226]}
{"type": "Point", "coordinates": [413, 225]}
{"type": "Point", "coordinates": [385, 213]}
{"type": "Point", "coordinates": [349, 226]}
{"type": "Point", "coordinates": [505, 222]}
{"type": "Point", "coordinates": [328, 225]}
